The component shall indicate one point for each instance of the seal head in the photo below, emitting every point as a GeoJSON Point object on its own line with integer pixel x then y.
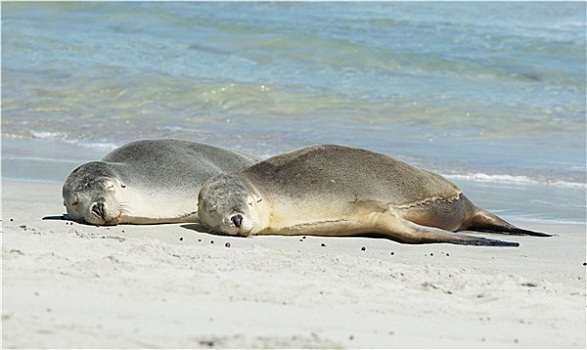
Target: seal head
{"type": "Point", "coordinates": [93, 193]}
{"type": "Point", "coordinates": [227, 205]}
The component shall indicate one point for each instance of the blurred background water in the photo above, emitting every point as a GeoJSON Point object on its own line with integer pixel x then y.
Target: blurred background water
{"type": "Point", "coordinates": [492, 95]}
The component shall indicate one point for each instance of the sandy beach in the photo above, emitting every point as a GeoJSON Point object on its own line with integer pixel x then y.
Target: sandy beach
{"type": "Point", "coordinates": [490, 95]}
{"type": "Point", "coordinates": [67, 285]}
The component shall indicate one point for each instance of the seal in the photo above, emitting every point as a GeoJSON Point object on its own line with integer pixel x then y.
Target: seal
{"type": "Point", "coordinates": [146, 182]}
{"type": "Point", "coordinates": [330, 190]}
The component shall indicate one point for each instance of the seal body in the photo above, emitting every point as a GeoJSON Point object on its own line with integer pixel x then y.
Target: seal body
{"type": "Point", "coordinates": [332, 190]}
{"type": "Point", "coordinates": [146, 182]}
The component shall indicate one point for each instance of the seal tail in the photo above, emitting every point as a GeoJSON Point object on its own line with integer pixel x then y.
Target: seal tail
{"type": "Point", "coordinates": [483, 221]}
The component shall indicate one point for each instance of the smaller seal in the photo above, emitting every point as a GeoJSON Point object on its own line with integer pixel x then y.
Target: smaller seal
{"type": "Point", "coordinates": [146, 182]}
{"type": "Point", "coordinates": [331, 190]}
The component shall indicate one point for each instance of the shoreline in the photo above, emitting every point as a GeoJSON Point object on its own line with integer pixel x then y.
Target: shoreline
{"type": "Point", "coordinates": [72, 285]}
{"type": "Point", "coordinates": [46, 161]}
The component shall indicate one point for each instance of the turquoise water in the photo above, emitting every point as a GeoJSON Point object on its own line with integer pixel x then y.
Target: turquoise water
{"type": "Point", "coordinates": [492, 95]}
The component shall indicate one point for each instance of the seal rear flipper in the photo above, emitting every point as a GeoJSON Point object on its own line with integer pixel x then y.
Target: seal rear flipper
{"type": "Point", "coordinates": [484, 221]}
{"type": "Point", "coordinates": [384, 225]}
{"type": "Point", "coordinates": [401, 230]}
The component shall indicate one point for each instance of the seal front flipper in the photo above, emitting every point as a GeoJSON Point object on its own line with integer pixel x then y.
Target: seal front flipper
{"type": "Point", "coordinates": [54, 217]}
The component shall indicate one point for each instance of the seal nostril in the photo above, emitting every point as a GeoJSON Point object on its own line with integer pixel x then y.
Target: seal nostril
{"type": "Point", "coordinates": [98, 209]}
{"type": "Point", "coordinates": [237, 220]}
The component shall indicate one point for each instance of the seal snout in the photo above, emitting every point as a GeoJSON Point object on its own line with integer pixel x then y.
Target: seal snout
{"type": "Point", "coordinates": [237, 220]}
{"type": "Point", "coordinates": [98, 209]}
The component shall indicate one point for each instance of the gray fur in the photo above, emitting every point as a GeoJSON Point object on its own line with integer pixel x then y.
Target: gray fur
{"type": "Point", "coordinates": [171, 170]}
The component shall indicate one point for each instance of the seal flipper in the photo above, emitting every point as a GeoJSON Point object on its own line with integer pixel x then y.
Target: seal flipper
{"type": "Point", "coordinates": [55, 217]}
{"type": "Point", "coordinates": [401, 230]}
{"type": "Point", "coordinates": [374, 221]}
{"type": "Point", "coordinates": [484, 221]}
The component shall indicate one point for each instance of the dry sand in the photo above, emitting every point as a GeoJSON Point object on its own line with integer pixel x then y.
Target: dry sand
{"type": "Point", "coordinates": [76, 286]}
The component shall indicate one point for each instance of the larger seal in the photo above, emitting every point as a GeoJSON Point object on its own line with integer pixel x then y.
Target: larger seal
{"type": "Point", "coordinates": [331, 190]}
{"type": "Point", "coordinates": [146, 182]}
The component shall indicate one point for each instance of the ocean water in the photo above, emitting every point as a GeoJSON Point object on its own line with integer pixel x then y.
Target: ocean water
{"type": "Point", "coordinates": [492, 95]}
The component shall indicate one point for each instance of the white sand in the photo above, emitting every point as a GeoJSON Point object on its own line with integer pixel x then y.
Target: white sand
{"type": "Point", "coordinates": [78, 286]}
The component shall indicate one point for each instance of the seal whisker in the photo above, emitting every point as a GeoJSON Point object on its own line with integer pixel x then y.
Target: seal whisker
{"type": "Point", "coordinates": [123, 207]}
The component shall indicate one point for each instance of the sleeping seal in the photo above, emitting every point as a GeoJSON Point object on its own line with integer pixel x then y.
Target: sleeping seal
{"type": "Point", "coordinates": [146, 182]}
{"type": "Point", "coordinates": [331, 190]}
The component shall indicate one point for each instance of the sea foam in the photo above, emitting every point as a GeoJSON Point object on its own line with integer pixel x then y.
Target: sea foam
{"type": "Point", "coordinates": [520, 180]}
